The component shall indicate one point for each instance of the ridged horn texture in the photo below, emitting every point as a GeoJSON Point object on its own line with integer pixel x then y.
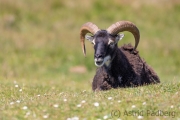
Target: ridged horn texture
{"type": "Point", "coordinates": [87, 28]}
{"type": "Point", "coordinates": [121, 26]}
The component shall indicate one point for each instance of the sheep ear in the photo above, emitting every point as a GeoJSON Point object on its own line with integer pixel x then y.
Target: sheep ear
{"type": "Point", "coordinates": [90, 38]}
{"type": "Point", "coordinates": [119, 37]}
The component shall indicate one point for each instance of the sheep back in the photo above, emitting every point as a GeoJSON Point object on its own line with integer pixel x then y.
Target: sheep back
{"type": "Point", "coordinates": [140, 67]}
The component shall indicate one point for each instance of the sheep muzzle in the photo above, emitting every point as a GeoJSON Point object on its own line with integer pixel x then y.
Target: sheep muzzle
{"type": "Point", "coordinates": [99, 62]}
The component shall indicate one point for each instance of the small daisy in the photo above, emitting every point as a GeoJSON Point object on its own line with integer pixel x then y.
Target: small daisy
{"type": "Point", "coordinates": [20, 90]}
{"type": "Point", "coordinates": [96, 104]}
{"type": "Point", "coordinates": [172, 106]}
{"type": "Point", "coordinates": [79, 105]}
{"type": "Point", "coordinates": [83, 101]}
{"type": "Point", "coordinates": [25, 108]}
{"type": "Point", "coordinates": [133, 106]}
{"type": "Point", "coordinates": [11, 103]}
{"type": "Point", "coordinates": [109, 98]}
{"type": "Point", "coordinates": [38, 95]}
{"type": "Point", "coordinates": [144, 103]}
{"type": "Point", "coordinates": [56, 105]}
{"type": "Point", "coordinates": [65, 100]}
{"type": "Point", "coordinates": [18, 101]}
{"type": "Point", "coordinates": [119, 101]}
{"type": "Point", "coordinates": [140, 117]}
{"type": "Point", "coordinates": [45, 116]}
{"type": "Point", "coordinates": [16, 86]}
{"type": "Point", "coordinates": [105, 117]}
{"type": "Point", "coordinates": [73, 118]}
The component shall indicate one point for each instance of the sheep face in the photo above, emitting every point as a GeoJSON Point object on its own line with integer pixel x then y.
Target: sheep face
{"type": "Point", "coordinates": [104, 45]}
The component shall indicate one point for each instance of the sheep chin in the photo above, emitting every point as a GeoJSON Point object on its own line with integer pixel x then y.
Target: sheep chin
{"type": "Point", "coordinates": [99, 65]}
{"type": "Point", "coordinates": [106, 61]}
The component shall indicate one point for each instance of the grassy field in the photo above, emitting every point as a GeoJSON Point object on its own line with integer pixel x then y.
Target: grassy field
{"type": "Point", "coordinates": [44, 75]}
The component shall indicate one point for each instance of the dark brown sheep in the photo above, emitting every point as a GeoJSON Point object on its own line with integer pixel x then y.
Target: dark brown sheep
{"type": "Point", "coordinates": [127, 70]}
{"type": "Point", "coordinates": [117, 67]}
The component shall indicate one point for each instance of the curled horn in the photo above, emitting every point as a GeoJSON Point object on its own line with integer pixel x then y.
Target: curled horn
{"type": "Point", "coordinates": [87, 28]}
{"type": "Point", "coordinates": [121, 26]}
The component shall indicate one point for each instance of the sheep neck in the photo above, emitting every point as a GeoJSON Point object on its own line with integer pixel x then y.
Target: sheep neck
{"type": "Point", "coordinates": [119, 67]}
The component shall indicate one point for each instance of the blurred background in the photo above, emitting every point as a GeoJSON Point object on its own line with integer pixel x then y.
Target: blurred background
{"type": "Point", "coordinates": [39, 39]}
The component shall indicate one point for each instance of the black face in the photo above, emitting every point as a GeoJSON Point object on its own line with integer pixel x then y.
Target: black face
{"type": "Point", "coordinates": [100, 47]}
{"type": "Point", "coordinates": [104, 46]}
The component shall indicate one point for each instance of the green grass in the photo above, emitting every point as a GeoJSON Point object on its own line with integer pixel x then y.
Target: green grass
{"type": "Point", "coordinates": [40, 51]}
{"type": "Point", "coordinates": [49, 100]}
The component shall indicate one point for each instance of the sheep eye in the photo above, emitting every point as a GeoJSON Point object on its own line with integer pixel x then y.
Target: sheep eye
{"type": "Point", "coordinates": [93, 42]}
{"type": "Point", "coordinates": [111, 43]}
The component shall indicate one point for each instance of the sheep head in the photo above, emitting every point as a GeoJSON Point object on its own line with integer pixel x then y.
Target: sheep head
{"type": "Point", "coordinates": [105, 41]}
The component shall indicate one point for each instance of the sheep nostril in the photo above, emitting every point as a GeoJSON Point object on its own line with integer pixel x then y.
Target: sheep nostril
{"type": "Point", "coordinates": [98, 56]}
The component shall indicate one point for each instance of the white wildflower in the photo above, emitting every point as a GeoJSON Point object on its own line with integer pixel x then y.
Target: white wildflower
{"type": "Point", "coordinates": [79, 105]}
{"type": "Point", "coordinates": [38, 95]}
{"type": "Point", "coordinates": [83, 101]}
{"type": "Point", "coordinates": [11, 103]}
{"type": "Point", "coordinates": [96, 104]}
{"type": "Point", "coordinates": [73, 118]}
{"type": "Point", "coordinates": [172, 106]}
{"type": "Point", "coordinates": [16, 86]}
{"type": "Point", "coordinates": [45, 116]}
{"type": "Point", "coordinates": [20, 90]}
{"type": "Point", "coordinates": [105, 117]}
{"type": "Point", "coordinates": [56, 105]}
{"type": "Point", "coordinates": [144, 103]}
{"type": "Point", "coordinates": [140, 117]}
{"type": "Point", "coordinates": [25, 108]}
{"type": "Point", "coordinates": [65, 100]}
{"type": "Point", "coordinates": [133, 106]}
{"type": "Point", "coordinates": [119, 101]}
{"type": "Point", "coordinates": [18, 101]}
{"type": "Point", "coordinates": [109, 98]}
